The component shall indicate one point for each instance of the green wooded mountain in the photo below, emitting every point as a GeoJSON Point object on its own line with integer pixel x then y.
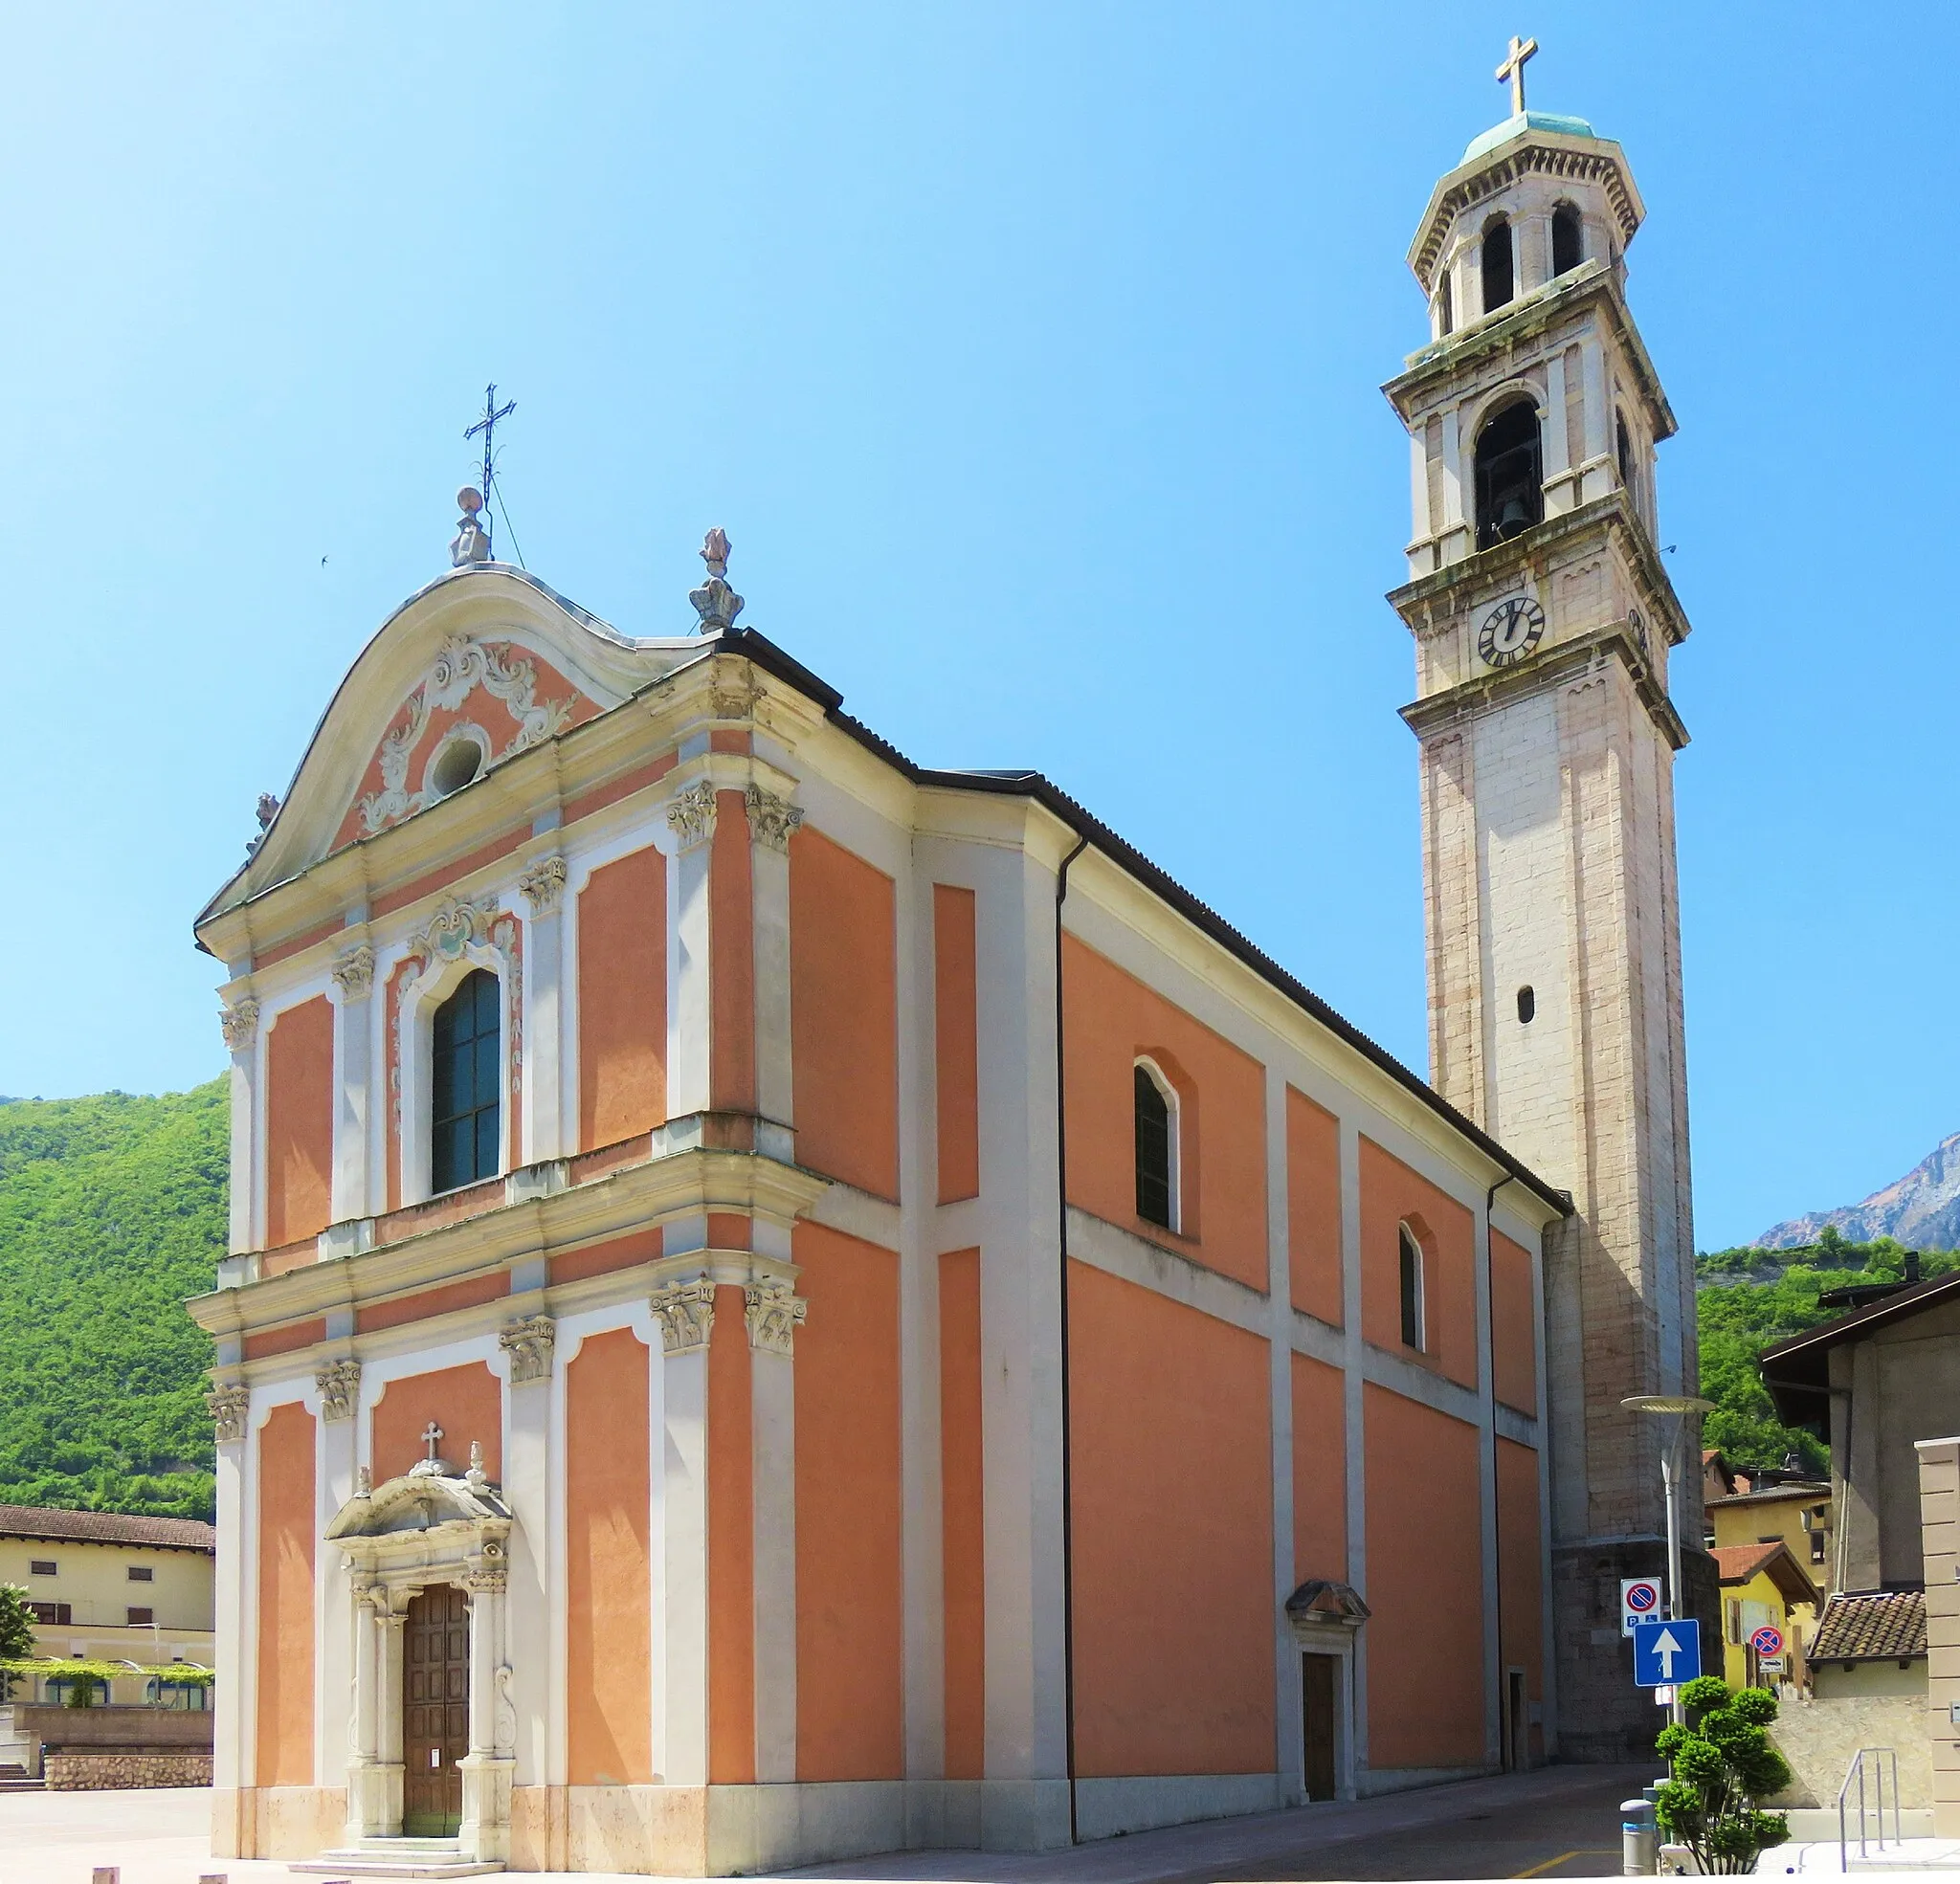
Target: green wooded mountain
{"type": "Point", "coordinates": [112, 1211]}
{"type": "Point", "coordinates": [1749, 1300]}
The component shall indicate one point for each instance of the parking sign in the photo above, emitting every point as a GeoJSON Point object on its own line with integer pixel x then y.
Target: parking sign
{"type": "Point", "coordinates": [1639, 1600]}
{"type": "Point", "coordinates": [1767, 1640]}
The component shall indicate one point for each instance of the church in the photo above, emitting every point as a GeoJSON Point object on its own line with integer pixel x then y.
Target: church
{"type": "Point", "coordinates": [783, 1303]}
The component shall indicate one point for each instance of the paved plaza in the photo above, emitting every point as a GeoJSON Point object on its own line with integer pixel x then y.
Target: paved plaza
{"type": "Point", "coordinates": [1563, 1822]}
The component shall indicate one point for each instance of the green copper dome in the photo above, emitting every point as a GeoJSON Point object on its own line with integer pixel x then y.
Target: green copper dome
{"type": "Point", "coordinates": [1527, 120]}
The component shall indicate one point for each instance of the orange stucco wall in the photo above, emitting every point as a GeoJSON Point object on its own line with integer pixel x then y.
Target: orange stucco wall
{"type": "Point", "coordinates": [469, 1293]}
{"type": "Point", "coordinates": [467, 1402]}
{"type": "Point", "coordinates": [844, 1015]}
{"type": "Point", "coordinates": [609, 1627]}
{"type": "Point", "coordinates": [731, 1537]}
{"type": "Point", "coordinates": [1513, 1330]}
{"type": "Point", "coordinates": [622, 999]}
{"type": "Point", "coordinates": [1313, 1207]}
{"type": "Point", "coordinates": [1173, 1535]}
{"type": "Point", "coordinates": [1425, 1585]}
{"type": "Point", "coordinates": [1521, 1566]}
{"type": "Point", "coordinates": [732, 985]}
{"type": "Point", "coordinates": [963, 1514]}
{"type": "Point", "coordinates": [956, 1041]}
{"type": "Point", "coordinates": [1391, 1194]}
{"type": "Point", "coordinates": [1111, 1019]}
{"type": "Point", "coordinates": [1320, 1471]}
{"type": "Point", "coordinates": [850, 1720]}
{"type": "Point", "coordinates": [299, 1122]}
{"type": "Point", "coordinates": [288, 1529]}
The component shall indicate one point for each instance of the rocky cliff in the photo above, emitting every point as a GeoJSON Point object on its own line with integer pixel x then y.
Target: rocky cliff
{"type": "Point", "coordinates": [1922, 1209]}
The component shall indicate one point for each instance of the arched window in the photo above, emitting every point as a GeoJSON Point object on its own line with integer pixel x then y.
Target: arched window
{"type": "Point", "coordinates": [1414, 1332]}
{"type": "Point", "coordinates": [1624, 443]}
{"type": "Point", "coordinates": [1497, 264]}
{"type": "Point", "coordinates": [1528, 1003]}
{"type": "Point", "coordinates": [1156, 1108]}
{"type": "Point", "coordinates": [1510, 486]}
{"type": "Point", "coordinates": [466, 1108]}
{"type": "Point", "coordinates": [1446, 306]}
{"type": "Point", "coordinates": [1568, 239]}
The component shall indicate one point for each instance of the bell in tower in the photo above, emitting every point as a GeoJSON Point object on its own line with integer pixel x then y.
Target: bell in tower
{"type": "Point", "coordinates": [1543, 624]}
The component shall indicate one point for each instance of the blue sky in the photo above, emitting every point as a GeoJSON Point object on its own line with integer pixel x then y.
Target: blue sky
{"type": "Point", "coordinates": [1029, 355]}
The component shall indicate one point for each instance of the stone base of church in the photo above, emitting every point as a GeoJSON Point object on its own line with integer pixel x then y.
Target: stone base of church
{"type": "Point", "coordinates": [277, 1821]}
{"type": "Point", "coordinates": [1602, 1716]}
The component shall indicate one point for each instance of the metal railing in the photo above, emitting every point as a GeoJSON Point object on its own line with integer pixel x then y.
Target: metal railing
{"type": "Point", "coordinates": [1867, 1772]}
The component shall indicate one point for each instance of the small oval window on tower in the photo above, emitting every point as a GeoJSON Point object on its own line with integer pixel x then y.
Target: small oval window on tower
{"type": "Point", "coordinates": [455, 765]}
{"type": "Point", "coordinates": [1497, 264]}
{"type": "Point", "coordinates": [1568, 239]}
{"type": "Point", "coordinates": [1528, 1003]}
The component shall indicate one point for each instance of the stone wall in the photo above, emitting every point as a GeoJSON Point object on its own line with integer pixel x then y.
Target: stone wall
{"type": "Point", "coordinates": [93, 1769]}
{"type": "Point", "coordinates": [1819, 1739]}
{"type": "Point", "coordinates": [160, 1729]}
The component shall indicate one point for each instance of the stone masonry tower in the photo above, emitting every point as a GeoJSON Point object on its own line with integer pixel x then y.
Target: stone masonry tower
{"type": "Point", "coordinates": [1544, 625]}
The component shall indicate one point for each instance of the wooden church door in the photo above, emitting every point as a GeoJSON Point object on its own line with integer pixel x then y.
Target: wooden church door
{"type": "Point", "coordinates": [436, 1711]}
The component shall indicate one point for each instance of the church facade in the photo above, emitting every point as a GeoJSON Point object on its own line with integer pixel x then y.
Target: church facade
{"type": "Point", "coordinates": [783, 1303]}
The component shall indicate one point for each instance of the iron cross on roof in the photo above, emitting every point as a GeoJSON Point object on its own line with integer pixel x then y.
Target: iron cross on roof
{"type": "Point", "coordinates": [1513, 69]}
{"type": "Point", "coordinates": [432, 1437]}
{"type": "Point", "coordinates": [487, 427]}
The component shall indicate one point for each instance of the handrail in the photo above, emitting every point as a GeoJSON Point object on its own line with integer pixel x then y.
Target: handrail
{"type": "Point", "coordinates": [1856, 1771]}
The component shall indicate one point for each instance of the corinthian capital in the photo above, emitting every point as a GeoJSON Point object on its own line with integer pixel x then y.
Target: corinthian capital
{"type": "Point", "coordinates": [687, 1311]}
{"type": "Point", "coordinates": [772, 820]}
{"type": "Point", "coordinates": [691, 815]}
{"type": "Point", "coordinates": [240, 1023]}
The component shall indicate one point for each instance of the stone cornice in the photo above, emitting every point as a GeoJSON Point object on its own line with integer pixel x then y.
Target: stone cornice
{"type": "Point", "coordinates": [546, 1222]}
{"type": "Point", "coordinates": [1591, 284]}
{"type": "Point", "coordinates": [1436, 594]}
{"type": "Point", "coordinates": [1532, 151]}
{"type": "Point", "coordinates": [1560, 664]}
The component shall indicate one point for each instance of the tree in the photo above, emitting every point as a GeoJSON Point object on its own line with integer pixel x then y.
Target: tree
{"type": "Point", "coordinates": [16, 1629]}
{"type": "Point", "coordinates": [1722, 1762]}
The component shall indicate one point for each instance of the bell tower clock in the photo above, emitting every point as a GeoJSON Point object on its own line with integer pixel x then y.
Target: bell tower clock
{"type": "Point", "coordinates": [1544, 624]}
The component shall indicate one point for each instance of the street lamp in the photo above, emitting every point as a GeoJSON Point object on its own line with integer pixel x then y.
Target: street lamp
{"type": "Point", "coordinates": [1675, 1407]}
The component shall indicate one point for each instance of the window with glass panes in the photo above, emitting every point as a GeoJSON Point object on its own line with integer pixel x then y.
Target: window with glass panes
{"type": "Point", "coordinates": [467, 1107]}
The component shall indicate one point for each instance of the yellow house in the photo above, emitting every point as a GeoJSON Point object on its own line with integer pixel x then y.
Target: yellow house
{"type": "Point", "coordinates": [1795, 1513]}
{"type": "Point", "coordinates": [1763, 1586]}
{"type": "Point", "coordinates": [113, 1587]}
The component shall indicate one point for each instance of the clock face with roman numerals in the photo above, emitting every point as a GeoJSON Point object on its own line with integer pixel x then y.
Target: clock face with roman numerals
{"type": "Point", "coordinates": [1510, 630]}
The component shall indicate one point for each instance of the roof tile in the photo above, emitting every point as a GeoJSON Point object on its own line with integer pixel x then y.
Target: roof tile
{"type": "Point", "coordinates": [48, 1525]}
{"type": "Point", "coordinates": [1876, 1625]}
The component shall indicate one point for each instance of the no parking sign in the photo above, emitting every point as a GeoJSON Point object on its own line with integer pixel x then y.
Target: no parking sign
{"type": "Point", "coordinates": [1767, 1640]}
{"type": "Point", "coordinates": [1639, 1602]}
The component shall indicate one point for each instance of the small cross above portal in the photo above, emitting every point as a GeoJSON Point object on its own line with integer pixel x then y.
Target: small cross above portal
{"type": "Point", "coordinates": [432, 1437]}
{"type": "Point", "coordinates": [1513, 69]}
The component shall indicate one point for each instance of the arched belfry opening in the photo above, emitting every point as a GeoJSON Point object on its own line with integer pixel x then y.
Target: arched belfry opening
{"type": "Point", "coordinates": [1500, 276]}
{"type": "Point", "coordinates": [1511, 480]}
{"type": "Point", "coordinates": [1568, 239]}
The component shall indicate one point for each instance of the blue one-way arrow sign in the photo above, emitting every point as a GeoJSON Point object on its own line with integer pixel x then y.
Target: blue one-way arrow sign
{"type": "Point", "coordinates": [1666, 1654]}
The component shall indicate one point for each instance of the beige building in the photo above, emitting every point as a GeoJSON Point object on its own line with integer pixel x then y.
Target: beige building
{"type": "Point", "coordinates": [113, 1587]}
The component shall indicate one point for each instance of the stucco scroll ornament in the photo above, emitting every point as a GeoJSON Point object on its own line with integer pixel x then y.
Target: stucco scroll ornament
{"type": "Point", "coordinates": [687, 1311]}
{"type": "Point", "coordinates": [543, 885]}
{"type": "Point", "coordinates": [506, 1710]}
{"type": "Point", "coordinates": [340, 1389]}
{"type": "Point", "coordinates": [239, 1023]}
{"type": "Point", "coordinates": [775, 1310]}
{"type": "Point", "coordinates": [354, 973]}
{"type": "Point", "coordinates": [530, 1345]}
{"type": "Point", "coordinates": [774, 821]}
{"type": "Point", "coordinates": [451, 930]}
{"type": "Point", "coordinates": [462, 665]}
{"type": "Point", "coordinates": [394, 799]}
{"type": "Point", "coordinates": [692, 814]}
{"type": "Point", "coordinates": [229, 1407]}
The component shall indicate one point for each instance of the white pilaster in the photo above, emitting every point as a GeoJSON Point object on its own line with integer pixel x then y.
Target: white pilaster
{"type": "Point", "coordinates": [353, 1047]}
{"type": "Point", "coordinates": [691, 826]}
{"type": "Point", "coordinates": [542, 1124]}
{"type": "Point", "coordinates": [773, 825]}
{"type": "Point", "coordinates": [528, 1365]}
{"type": "Point", "coordinates": [246, 1226]}
{"type": "Point", "coordinates": [772, 1402]}
{"type": "Point", "coordinates": [1279, 1354]}
{"type": "Point", "coordinates": [683, 1468]}
{"type": "Point", "coordinates": [1486, 1472]}
{"type": "Point", "coordinates": [1354, 1412]}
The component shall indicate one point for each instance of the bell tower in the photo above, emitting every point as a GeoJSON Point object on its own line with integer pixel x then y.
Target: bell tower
{"type": "Point", "coordinates": [1544, 625]}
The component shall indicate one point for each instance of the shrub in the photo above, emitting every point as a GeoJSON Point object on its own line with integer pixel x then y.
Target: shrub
{"type": "Point", "coordinates": [1722, 1762]}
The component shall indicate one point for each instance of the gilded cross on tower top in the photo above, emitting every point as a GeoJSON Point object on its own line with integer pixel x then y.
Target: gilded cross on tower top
{"type": "Point", "coordinates": [1513, 69]}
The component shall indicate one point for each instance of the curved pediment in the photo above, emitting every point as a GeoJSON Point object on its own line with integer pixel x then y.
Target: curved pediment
{"type": "Point", "coordinates": [487, 657]}
{"type": "Point", "coordinates": [419, 1502]}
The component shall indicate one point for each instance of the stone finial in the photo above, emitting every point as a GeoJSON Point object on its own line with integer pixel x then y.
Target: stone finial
{"type": "Point", "coordinates": [715, 602]}
{"type": "Point", "coordinates": [471, 543]}
{"type": "Point", "coordinates": [364, 1482]}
